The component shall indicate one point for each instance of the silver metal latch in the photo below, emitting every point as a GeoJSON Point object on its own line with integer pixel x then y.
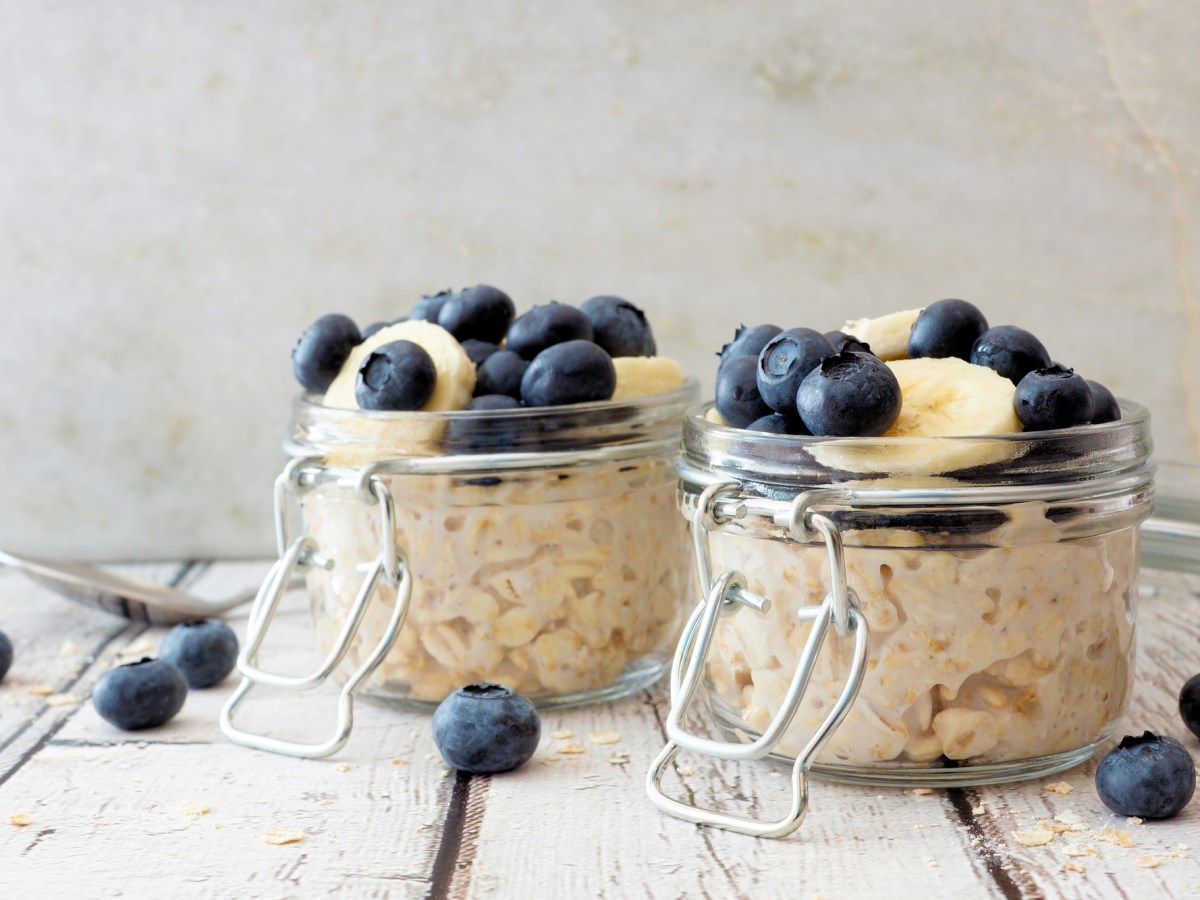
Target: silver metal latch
{"type": "Point", "coordinates": [295, 554]}
{"type": "Point", "coordinates": [727, 594]}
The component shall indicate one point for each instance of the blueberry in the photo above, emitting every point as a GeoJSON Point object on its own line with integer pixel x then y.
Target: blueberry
{"type": "Point", "coordinates": [478, 351]}
{"type": "Point", "coordinates": [486, 728]}
{"type": "Point", "coordinates": [318, 355]}
{"type": "Point", "coordinates": [1011, 351]}
{"type": "Point", "coordinates": [6, 654]}
{"type": "Point", "coordinates": [1152, 777]}
{"type": "Point", "coordinates": [546, 325]}
{"type": "Point", "coordinates": [738, 400]}
{"type": "Point", "coordinates": [747, 342]}
{"type": "Point", "coordinates": [946, 328]}
{"type": "Point", "coordinates": [493, 401]}
{"type": "Point", "coordinates": [396, 376]}
{"type": "Point", "coordinates": [500, 373]}
{"type": "Point", "coordinates": [204, 650]}
{"type": "Point", "coordinates": [850, 394]}
{"type": "Point", "coordinates": [785, 361]}
{"type": "Point", "coordinates": [429, 307]}
{"type": "Point", "coordinates": [481, 312]}
{"type": "Point", "coordinates": [1189, 700]}
{"type": "Point", "coordinates": [619, 327]}
{"type": "Point", "coordinates": [571, 372]}
{"type": "Point", "coordinates": [842, 341]}
{"type": "Point", "coordinates": [140, 694]}
{"type": "Point", "coordinates": [777, 423]}
{"type": "Point", "coordinates": [1053, 397]}
{"type": "Point", "coordinates": [1106, 407]}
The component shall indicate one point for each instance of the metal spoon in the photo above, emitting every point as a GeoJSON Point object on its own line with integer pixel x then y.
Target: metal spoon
{"type": "Point", "coordinates": [123, 595]}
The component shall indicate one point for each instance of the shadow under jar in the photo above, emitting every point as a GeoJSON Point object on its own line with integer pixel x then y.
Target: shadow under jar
{"type": "Point", "coordinates": [544, 545]}
{"type": "Point", "coordinates": [996, 576]}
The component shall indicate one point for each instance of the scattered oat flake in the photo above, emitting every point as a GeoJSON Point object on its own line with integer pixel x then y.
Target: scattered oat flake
{"type": "Point", "coordinates": [1148, 861]}
{"type": "Point", "coordinates": [399, 761]}
{"type": "Point", "coordinates": [283, 836]}
{"type": "Point", "coordinates": [344, 767]}
{"type": "Point", "coordinates": [1080, 850]}
{"type": "Point", "coordinates": [931, 861]}
{"type": "Point", "coordinates": [1070, 817]}
{"type": "Point", "coordinates": [619, 758]}
{"type": "Point", "coordinates": [1134, 820]}
{"type": "Point", "coordinates": [62, 700]}
{"type": "Point", "coordinates": [1058, 787]}
{"type": "Point", "coordinates": [687, 771]}
{"type": "Point", "coordinates": [20, 819]}
{"type": "Point", "coordinates": [976, 842]}
{"type": "Point", "coordinates": [193, 809]}
{"type": "Point", "coordinates": [561, 735]}
{"type": "Point", "coordinates": [325, 802]}
{"type": "Point", "coordinates": [68, 648]}
{"type": "Point", "coordinates": [40, 690]}
{"type": "Point", "coordinates": [1034, 837]}
{"type": "Point", "coordinates": [1056, 827]}
{"type": "Point", "coordinates": [569, 747]}
{"type": "Point", "coordinates": [978, 811]}
{"type": "Point", "coordinates": [922, 792]}
{"type": "Point", "coordinates": [1116, 836]}
{"type": "Point", "coordinates": [604, 737]}
{"type": "Point", "coordinates": [1073, 866]}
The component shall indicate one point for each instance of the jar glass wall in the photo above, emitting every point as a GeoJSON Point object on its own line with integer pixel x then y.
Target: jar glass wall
{"type": "Point", "coordinates": [545, 547]}
{"type": "Point", "coordinates": [998, 583]}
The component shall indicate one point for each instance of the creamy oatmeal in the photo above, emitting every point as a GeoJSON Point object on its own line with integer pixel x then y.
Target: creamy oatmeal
{"type": "Point", "coordinates": [551, 581]}
{"type": "Point", "coordinates": [977, 654]}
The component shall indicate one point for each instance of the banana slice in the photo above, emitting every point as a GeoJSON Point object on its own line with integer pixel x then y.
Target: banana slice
{"type": "Point", "coordinates": [887, 335]}
{"type": "Point", "coordinates": [639, 376]}
{"type": "Point", "coordinates": [455, 371]}
{"type": "Point", "coordinates": [942, 398]}
{"type": "Point", "coordinates": [407, 434]}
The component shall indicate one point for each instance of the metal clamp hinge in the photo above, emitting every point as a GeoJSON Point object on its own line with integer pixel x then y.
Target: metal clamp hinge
{"type": "Point", "coordinates": [727, 594]}
{"type": "Point", "coordinates": [389, 567]}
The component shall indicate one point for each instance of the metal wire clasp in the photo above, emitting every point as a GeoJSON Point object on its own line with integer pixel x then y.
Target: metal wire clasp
{"type": "Point", "coordinates": [389, 567]}
{"type": "Point", "coordinates": [727, 594]}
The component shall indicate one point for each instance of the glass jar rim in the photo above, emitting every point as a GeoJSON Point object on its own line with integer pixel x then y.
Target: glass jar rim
{"type": "Point", "coordinates": [651, 421]}
{"type": "Point", "coordinates": [782, 463]}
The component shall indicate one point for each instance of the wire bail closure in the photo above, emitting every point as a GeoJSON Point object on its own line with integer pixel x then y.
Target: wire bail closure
{"type": "Point", "coordinates": [726, 594]}
{"type": "Point", "coordinates": [389, 567]}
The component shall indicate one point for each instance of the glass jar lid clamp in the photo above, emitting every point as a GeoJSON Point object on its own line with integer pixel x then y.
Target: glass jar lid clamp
{"type": "Point", "coordinates": [300, 475]}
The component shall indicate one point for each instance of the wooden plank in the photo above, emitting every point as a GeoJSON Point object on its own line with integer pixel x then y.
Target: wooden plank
{"type": "Point", "coordinates": [108, 810]}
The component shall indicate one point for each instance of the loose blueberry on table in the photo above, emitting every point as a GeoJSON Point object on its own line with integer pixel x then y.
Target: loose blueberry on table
{"type": "Point", "coordinates": [143, 694]}
{"type": "Point", "coordinates": [1189, 704]}
{"type": "Point", "coordinates": [6, 654]}
{"type": "Point", "coordinates": [1152, 776]}
{"type": "Point", "coordinates": [204, 650]}
{"type": "Point", "coordinates": [486, 728]}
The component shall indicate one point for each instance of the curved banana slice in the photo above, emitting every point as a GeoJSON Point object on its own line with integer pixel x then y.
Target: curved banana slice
{"type": "Point", "coordinates": [639, 376]}
{"type": "Point", "coordinates": [409, 434]}
{"type": "Point", "coordinates": [887, 335]}
{"type": "Point", "coordinates": [455, 371]}
{"type": "Point", "coordinates": [942, 398]}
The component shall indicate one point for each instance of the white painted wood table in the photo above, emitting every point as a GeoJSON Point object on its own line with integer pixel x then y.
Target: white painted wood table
{"type": "Point", "coordinates": [88, 811]}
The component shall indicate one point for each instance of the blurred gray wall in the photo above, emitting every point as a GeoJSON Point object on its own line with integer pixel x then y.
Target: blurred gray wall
{"type": "Point", "coordinates": [184, 186]}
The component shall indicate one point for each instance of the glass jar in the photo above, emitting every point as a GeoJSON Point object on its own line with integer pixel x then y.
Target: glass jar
{"type": "Point", "coordinates": [544, 546]}
{"type": "Point", "coordinates": [994, 577]}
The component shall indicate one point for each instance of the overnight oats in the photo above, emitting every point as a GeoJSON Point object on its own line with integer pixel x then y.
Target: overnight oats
{"type": "Point", "coordinates": [530, 461]}
{"type": "Point", "coordinates": [986, 505]}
